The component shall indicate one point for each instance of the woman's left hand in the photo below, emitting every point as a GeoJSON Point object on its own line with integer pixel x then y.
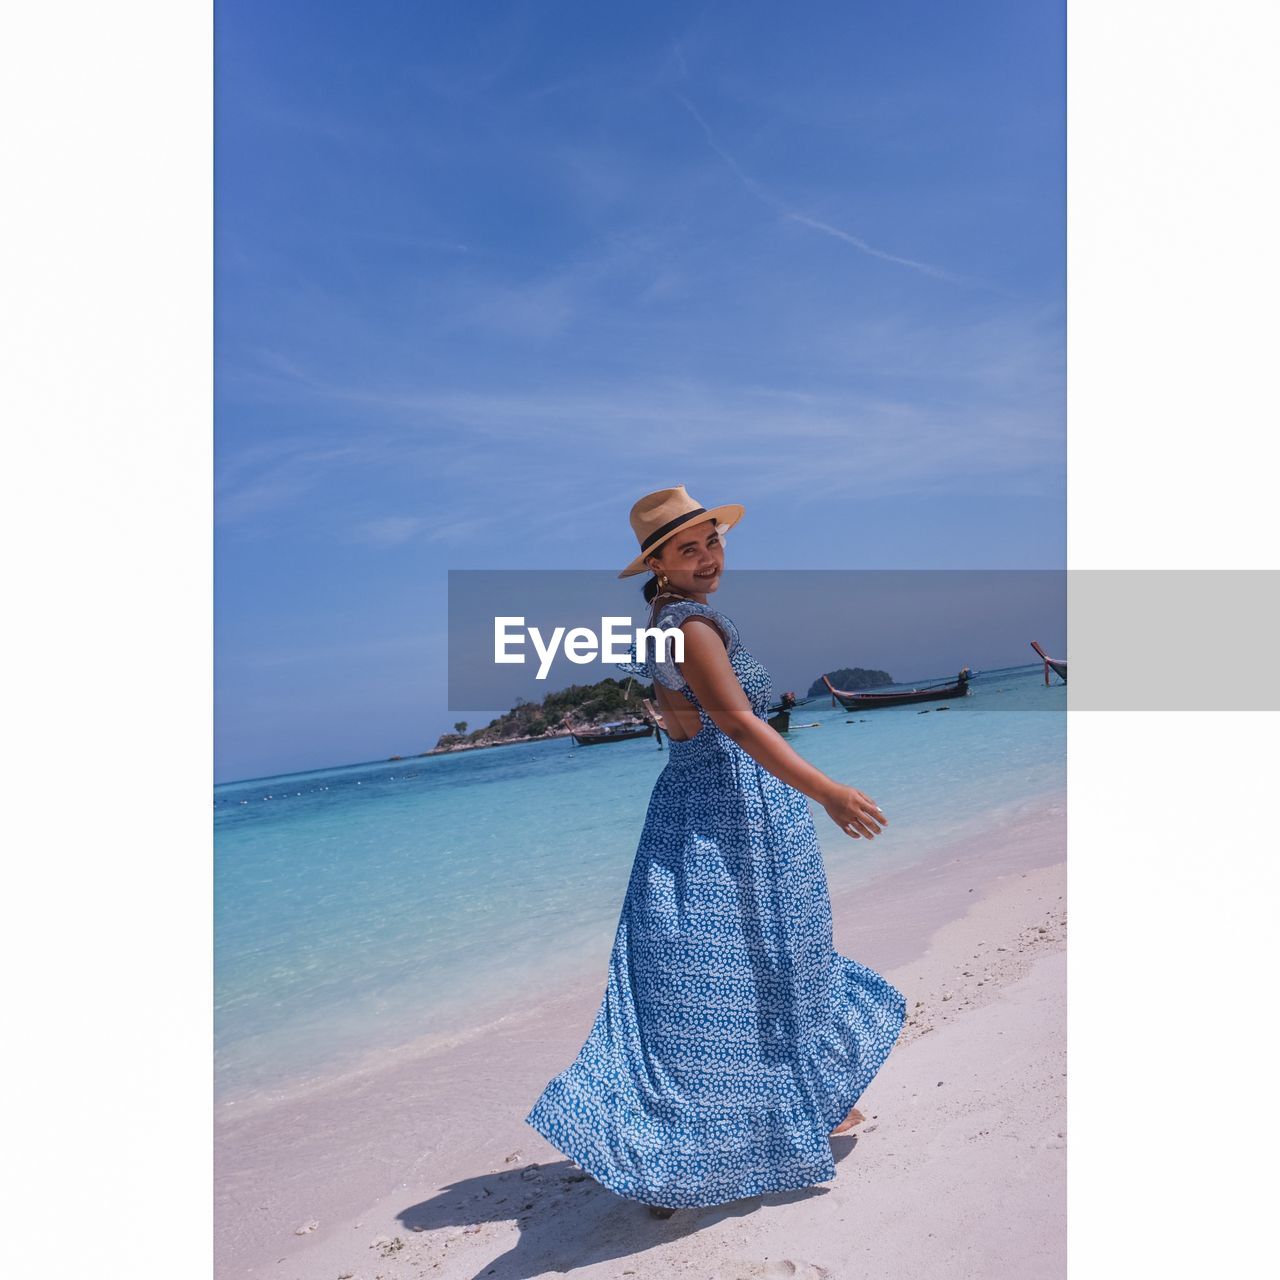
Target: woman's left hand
{"type": "Point", "coordinates": [854, 813]}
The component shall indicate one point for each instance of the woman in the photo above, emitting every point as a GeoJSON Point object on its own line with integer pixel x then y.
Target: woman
{"type": "Point", "coordinates": [732, 1039]}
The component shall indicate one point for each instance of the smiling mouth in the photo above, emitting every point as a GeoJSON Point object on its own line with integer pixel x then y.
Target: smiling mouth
{"type": "Point", "coordinates": [710, 573]}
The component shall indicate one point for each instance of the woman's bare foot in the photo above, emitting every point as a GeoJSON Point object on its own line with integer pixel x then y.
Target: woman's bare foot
{"type": "Point", "coordinates": [854, 1117]}
{"type": "Point", "coordinates": [660, 1211]}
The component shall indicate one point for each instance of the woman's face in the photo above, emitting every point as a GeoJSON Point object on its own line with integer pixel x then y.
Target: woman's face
{"type": "Point", "coordinates": [693, 560]}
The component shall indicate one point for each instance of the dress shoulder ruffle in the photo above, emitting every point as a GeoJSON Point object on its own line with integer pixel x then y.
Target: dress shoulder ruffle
{"type": "Point", "coordinates": [658, 664]}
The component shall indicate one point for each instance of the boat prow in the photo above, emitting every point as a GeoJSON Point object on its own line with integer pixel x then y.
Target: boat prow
{"type": "Point", "coordinates": [1051, 664]}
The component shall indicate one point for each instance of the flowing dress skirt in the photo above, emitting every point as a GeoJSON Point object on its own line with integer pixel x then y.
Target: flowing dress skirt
{"type": "Point", "coordinates": [732, 1037]}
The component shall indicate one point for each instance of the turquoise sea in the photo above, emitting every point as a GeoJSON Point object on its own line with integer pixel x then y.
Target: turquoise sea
{"type": "Point", "coordinates": [363, 909]}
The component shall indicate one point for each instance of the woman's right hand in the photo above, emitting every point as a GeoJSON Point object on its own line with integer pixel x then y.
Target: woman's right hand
{"type": "Point", "coordinates": [857, 815]}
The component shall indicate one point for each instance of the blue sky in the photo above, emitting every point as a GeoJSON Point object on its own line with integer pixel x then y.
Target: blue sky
{"type": "Point", "coordinates": [486, 273]}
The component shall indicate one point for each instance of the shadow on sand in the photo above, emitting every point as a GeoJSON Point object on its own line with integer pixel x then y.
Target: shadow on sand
{"type": "Point", "coordinates": [568, 1220]}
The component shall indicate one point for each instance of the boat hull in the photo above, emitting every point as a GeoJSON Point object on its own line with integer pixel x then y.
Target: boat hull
{"type": "Point", "coordinates": [599, 739]}
{"type": "Point", "coordinates": [862, 701]}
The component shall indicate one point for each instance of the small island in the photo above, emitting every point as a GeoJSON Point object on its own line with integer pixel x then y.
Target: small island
{"type": "Point", "coordinates": [854, 679]}
{"type": "Point", "coordinates": [583, 706]}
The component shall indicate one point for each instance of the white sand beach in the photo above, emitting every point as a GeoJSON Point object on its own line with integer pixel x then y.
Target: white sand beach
{"type": "Point", "coordinates": [424, 1166]}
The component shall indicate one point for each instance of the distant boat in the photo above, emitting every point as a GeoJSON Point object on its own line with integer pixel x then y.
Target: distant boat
{"type": "Point", "coordinates": [616, 731]}
{"type": "Point", "coordinates": [928, 693]}
{"type": "Point", "coordinates": [1050, 663]}
{"type": "Point", "coordinates": [780, 719]}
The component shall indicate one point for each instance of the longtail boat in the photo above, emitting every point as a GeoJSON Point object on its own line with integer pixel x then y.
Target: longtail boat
{"type": "Point", "coordinates": [851, 701]}
{"type": "Point", "coordinates": [1060, 668]}
{"type": "Point", "coordinates": [616, 731]}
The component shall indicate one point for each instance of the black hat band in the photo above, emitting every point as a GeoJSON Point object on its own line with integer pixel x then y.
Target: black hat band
{"type": "Point", "coordinates": [669, 526]}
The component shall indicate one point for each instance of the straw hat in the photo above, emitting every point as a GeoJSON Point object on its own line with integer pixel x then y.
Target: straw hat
{"type": "Point", "coordinates": [661, 515]}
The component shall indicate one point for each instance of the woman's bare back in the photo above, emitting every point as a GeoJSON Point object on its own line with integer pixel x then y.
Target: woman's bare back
{"type": "Point", "coordinates": [678, 713]}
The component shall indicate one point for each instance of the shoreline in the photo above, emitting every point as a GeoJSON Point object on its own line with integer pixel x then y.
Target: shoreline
{"type": "Point", "coordinates": [498, 1011]}
{"type": "Point", "coordinates": [482, 746]}
{"type": "Point", "coordinates": [380, 1146]}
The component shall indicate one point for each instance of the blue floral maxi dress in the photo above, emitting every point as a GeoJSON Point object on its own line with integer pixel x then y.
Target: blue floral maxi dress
{"type": "Point", "coordinates": [732, 1038]}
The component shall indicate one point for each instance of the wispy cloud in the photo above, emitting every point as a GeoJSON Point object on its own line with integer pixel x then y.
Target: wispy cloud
{"type": "Point", "coordinates": [773, 201]}
{"type": "Point", "coordinates": [389, 531]}
{"type": "Point", "coordinates": [833, 438]}
{"type": "Point", "coordinates": [870, 249]}
{"type": "Point", "coordinates": [264, 478]}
